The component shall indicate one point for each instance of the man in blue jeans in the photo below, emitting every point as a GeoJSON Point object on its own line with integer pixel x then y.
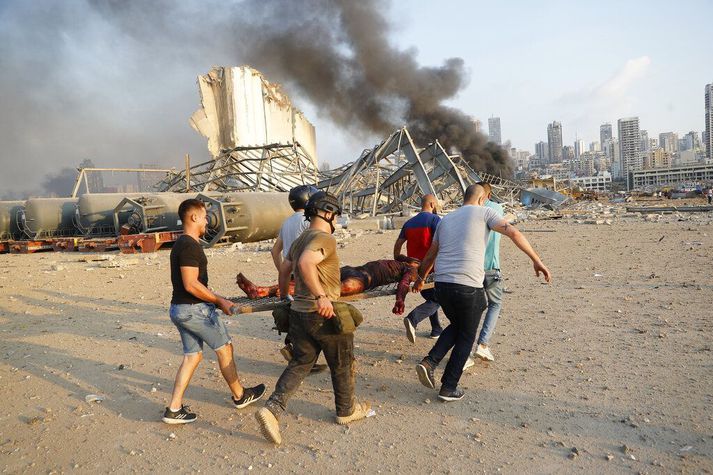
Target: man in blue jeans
{"type": "Point", "coordinates": [193, 312]}
{"type": "Point", "coordinates": [417, 233]}
{"type": "Point", "coordinates": [493, 282]}
{"type": "Point", "coordinates": [458, 252]}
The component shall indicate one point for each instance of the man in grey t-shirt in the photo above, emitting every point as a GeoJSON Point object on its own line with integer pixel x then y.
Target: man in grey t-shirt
{"type": "Point", "coordinates": [458, 251]}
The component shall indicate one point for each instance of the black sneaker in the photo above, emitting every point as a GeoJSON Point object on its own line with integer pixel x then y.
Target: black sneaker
{"type": "Point", "coordinates": [250, 395]}
{"type": "Point", "coordinates": [425, 373]}
{"type": "Point", "coordinates": [448, 396]}
{"type": "Point", "coordinates": [181, 416]}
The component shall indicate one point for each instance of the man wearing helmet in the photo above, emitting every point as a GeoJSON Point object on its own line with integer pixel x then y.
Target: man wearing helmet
{"type": "Point", "coordinates": [294, 225]}
{"type": "Point", "coordinates": [290, 230]}
{"type": "Point", "coordinates": [314, 262]}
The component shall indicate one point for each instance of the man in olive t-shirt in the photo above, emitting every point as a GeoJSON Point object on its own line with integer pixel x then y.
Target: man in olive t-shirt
{"type": "Point", "coordinates": [327, 270]}
{"type": "Point", "coordinates": [313, 261]}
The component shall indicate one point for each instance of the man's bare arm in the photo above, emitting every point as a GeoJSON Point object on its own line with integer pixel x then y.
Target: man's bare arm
{"type": "Point", "coordinates": [408, 276]}
{"type": "Point", "coordinates": [308, 271]}
{"type": "Point", "coordinates": [507, 229]}
{"type": "Point", "coordinates": [189, 277]}
{"type": "Point", "coordinates": [277, 253]}
{"type": "Point", "coordinates": [426, 266]}
{"type": "Point", "coordinates": [283, 278]}
{"type": "Point", "coordinates": [398, 246]}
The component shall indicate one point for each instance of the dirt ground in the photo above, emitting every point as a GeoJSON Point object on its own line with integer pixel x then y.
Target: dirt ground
{"type": "Point", "coordinates": [608, 369]}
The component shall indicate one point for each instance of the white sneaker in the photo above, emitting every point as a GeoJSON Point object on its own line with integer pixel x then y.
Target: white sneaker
{"type": "Point", "coordinates": [483, 352]}
{"type": "Point", "coordinates": [468, 363]}
{"type": "Point", "coordinates": [410, 330]}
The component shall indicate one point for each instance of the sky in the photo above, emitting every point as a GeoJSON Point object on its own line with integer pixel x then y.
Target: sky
{"type": "Point", "coordinates": [79, 80]}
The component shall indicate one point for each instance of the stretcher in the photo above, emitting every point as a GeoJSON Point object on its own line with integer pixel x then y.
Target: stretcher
{"type": "Point", "coordinates": [245, 305]}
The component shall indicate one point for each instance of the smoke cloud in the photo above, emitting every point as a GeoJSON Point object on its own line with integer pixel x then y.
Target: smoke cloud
{"type": "Point", "coordinates": [114, 81]}
{"type": "Point", "coordinates": [337, 53]}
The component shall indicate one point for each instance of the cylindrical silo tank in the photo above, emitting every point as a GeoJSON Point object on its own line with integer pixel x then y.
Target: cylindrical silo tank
{"type": "Point", "coordinates": [10, 219]}
{"type": "Point", "coordinates": [245, 216]}
{"type": "Point", "coordinates": [95, 213]}
{"type": "Point", "coordinates": [49, 217]}
{"type": "Point", "coordinates": [149, 213]}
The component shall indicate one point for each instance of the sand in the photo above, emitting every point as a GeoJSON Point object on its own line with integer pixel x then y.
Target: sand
{"type": "Point", "coordinates": [607, 370]}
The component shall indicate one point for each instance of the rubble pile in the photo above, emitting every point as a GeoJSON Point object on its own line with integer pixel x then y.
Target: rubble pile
{"type": "Point", "coordinates": [602, 213]}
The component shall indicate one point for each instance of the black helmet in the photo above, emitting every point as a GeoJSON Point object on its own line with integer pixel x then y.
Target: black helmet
{"type": "Point", "coordinates": [299, 196]}
{"type": "Point", "coordinates": [322, 201]}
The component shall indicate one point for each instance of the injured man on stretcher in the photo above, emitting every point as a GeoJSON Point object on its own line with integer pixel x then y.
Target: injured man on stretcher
{"type": "Point", "coordinates": [356, 280]}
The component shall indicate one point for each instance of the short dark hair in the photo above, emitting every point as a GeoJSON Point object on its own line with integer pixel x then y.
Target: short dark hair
{"type": "Point", "coordinates": [189, 205]}
{"type": "Point", "coordinates": [471, 191]}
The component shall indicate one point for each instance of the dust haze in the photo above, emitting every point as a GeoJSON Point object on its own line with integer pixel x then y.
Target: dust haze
{"type": "Point", "coordinates": [114, 82]}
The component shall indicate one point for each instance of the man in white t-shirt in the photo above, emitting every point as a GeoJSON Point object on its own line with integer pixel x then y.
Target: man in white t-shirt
{"type": "Point", "coordinates": [294, 225]}
{"type": "Point", "coordinates": [458, 251]}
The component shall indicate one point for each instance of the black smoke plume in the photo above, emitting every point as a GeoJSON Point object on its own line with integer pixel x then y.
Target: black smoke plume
{"type": "Point", "coordinates": [338, 54]}
{"type": "Point", "coordinates": [114, 80]}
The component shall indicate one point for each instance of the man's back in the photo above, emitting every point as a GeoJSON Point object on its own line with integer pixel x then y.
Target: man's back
{"type": "Point", "coordinates": [291, 230]}
{"type": "Point", "coordinates": [462, 236]}
{"type": "Point", "coordinates": [418, 233]}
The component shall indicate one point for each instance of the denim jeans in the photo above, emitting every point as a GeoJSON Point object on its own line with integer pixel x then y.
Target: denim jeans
{"type": "Point", "coordinates": [463, 306]}
{"type": "Point", "coordinates": [199, 323]}
{"type": "Point", "coordinates": [429, 309]}
{"type": "Point", "coordinates": [309, 334]}
{"type": "Point", "coordinates": [494, 294]}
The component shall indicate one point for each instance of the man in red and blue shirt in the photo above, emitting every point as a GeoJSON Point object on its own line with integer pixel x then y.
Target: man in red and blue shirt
{"type": "Point", "coordinates": [417, 233]}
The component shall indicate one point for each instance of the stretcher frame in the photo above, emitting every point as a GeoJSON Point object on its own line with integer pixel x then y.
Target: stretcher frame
{"type": "Point", "coordinates": [245, 305]}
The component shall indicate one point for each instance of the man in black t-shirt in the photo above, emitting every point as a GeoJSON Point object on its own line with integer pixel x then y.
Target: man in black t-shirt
{"type": "Point", "coordinates": [194, 312]}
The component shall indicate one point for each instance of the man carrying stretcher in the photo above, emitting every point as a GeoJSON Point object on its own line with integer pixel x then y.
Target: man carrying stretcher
{"type": "Point", "coordinates": [356, 280]}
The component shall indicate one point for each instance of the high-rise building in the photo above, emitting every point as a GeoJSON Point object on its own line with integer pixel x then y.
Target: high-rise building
{"type": "Point", "coordinates": [554, 142]}
{"type": "Point", "coordinates": [629, 146]}
{"type": "Point", "coordinates": [494, 130]}
{"type": "Point", "coordinates": [708, 134]}
{"type": "Point", "coordinates": [579, 148]}
{"type": "Point", "coordinates": [595, 147]}
{"type": "Point", "coordinates": [604, 133]}
{"type": "Point", "coordinates": [644, 138]}
{"type": "Point", "coordinates": [615, 154]}
{"type": "Point", "coordinates": [567, 152]}
{"type": "Point", "coordinates": [690, 141]}
{"type": "Point", "coordinates": [657, 158]}
{"type": "Point", "coordinates": [541, 151]}
{"type": "Point", "coordinates": [477, 125]}
{"type": "Point", "coordinates": [669, 141]}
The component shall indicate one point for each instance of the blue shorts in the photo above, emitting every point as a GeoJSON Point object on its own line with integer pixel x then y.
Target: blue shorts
{"type": "Point", "coordinates": [198, 323]}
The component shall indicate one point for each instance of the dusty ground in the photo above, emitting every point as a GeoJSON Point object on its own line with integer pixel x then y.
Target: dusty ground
{"type": "Point", "coordinates": [613, 359]}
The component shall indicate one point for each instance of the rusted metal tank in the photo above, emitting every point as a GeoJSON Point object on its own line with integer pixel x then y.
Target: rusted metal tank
{"type": "Point", "coordinates": [95, 213]}
{"type": "Point", "coordinates": [246, 216]}
{"type": "Point", "coordinates": [149, 213]}
{"type": "Point", "coordinates": [9, 219]}
{"type": "Point", "coordinates": [49, 217]}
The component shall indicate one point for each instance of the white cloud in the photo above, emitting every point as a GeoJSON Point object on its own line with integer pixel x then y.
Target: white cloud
{"type": "Point", "coordinates": [619, 84]}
